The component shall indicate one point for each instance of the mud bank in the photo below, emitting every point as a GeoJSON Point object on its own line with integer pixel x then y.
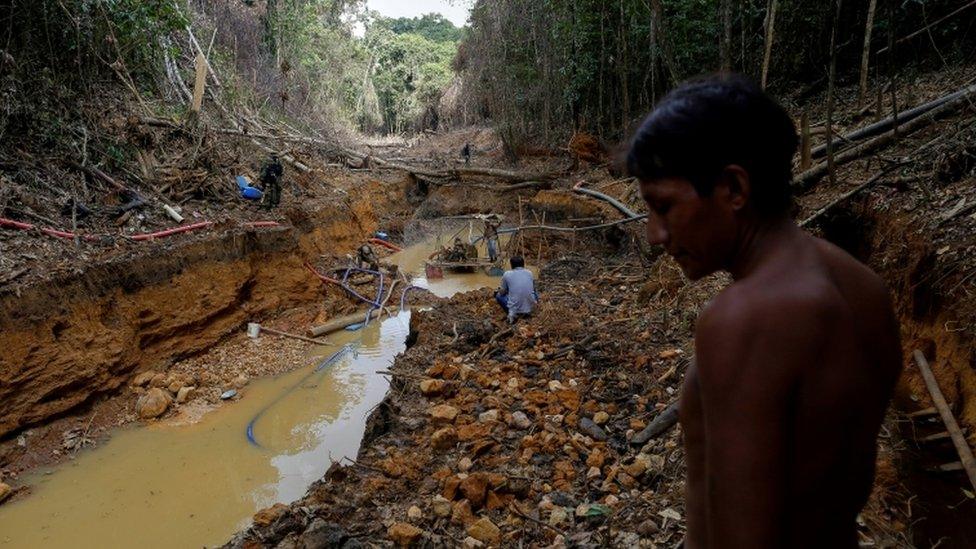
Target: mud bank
{"type": "Point", "coordinates": [82, 334]}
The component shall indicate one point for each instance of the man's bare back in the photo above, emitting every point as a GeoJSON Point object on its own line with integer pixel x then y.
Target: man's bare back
{"type": "Point", "coordinates": [796, 360]}
{"type": "Point", "coordinates": [796, 363]}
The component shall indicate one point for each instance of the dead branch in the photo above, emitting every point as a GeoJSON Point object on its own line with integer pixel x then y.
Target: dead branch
{"type": "Point", "coordinates": [805, 180]}
{"type": "Point", "coordinates": [958, 439]}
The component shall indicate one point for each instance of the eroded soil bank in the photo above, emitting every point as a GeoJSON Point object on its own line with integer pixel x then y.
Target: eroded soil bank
{"type": "Point", "coordinates": [79, 335]}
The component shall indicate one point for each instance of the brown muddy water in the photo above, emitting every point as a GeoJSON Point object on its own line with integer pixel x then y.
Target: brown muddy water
{"type": "Point", "coordinates": [169, 485]}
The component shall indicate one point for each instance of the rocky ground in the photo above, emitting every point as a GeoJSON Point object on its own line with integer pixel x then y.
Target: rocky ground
{"type": "Point", "coordinates": [533, 435]}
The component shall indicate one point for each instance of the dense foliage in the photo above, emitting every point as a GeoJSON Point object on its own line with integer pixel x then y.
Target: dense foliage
{"type": "Point", "coordinates": [541, 68]}
{"type": "Point", "coordinates": [432, 26]}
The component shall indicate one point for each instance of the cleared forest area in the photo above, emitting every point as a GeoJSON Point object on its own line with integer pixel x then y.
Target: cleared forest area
{"type": "Point", "coordinates": [135, 262]}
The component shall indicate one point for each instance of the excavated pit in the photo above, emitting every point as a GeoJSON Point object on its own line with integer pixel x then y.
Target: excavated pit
{"type": "Point", "coordinates": [906, 258]}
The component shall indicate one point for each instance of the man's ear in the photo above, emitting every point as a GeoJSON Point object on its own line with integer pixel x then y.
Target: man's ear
{"type": "Point", "coordinates": [736, 178]}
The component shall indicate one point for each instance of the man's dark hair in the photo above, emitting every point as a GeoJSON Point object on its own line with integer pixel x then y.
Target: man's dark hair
{"type": "Point", "coordinates": [517, 262]}
{"type": "Point", "coordinates": [707, 124]}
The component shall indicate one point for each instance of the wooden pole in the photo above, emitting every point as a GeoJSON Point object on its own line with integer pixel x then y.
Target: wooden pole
{"type": "Point", "coordinates": [958, 439]}
{"type": "Point", "coordinates": [201, 80]}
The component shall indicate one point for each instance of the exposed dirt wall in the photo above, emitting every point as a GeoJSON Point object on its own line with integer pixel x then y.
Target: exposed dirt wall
{"type": "Point", "coordinates": [78, 335]}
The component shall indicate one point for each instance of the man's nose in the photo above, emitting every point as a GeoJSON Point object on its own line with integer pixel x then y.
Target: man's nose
{"type": "Point", "coordinates": [656, 231]}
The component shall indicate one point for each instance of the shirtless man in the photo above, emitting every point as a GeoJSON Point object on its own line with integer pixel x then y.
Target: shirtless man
{"type": "Point", "coordinates": [796, 359]}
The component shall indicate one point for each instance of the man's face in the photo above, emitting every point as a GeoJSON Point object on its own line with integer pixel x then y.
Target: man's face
{"type": "Point", "coordinates": [698, 232]}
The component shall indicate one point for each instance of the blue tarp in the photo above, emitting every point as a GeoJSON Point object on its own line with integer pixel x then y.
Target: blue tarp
{"type": "Point", "coordinates": [247, 191]}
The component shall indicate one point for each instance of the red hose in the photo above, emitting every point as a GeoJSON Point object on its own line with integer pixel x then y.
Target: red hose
{"type": "Point", "coordinates": [385, 244]}
{"type": "Point", "coordinates": [11, 224]}
{"type": "Point", "coordinates": [174, 230]}
{"type": "Point", "coordinates": [321, 276]}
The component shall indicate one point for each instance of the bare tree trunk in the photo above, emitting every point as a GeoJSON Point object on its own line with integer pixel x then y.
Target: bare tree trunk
{"type": "Point", "coordinates": [665, 49]}
{"type": "Point", "coordinates": [891, 66]}
{"type": "Point", "coordinates": [655, 24]}
{"type": "Point", "coordinates": [805, 154]}
{"type": "Point", "coordinates": [743, 62]}
{"type": "Point", "coordinates": [770, 36]}
{"type": "Point", "coordinates": [831, 78]}
{"type": "Point", "coordinates": [866, 54]}
{"type": "Point", "coordinates": [624, 67]}
{"type": "Point", "coordinates": [725, 43]}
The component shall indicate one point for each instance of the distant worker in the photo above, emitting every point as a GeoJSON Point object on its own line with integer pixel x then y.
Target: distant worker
{"type": "Point", "coordinates": [517, 295]}
{"type": "Point", "coordinates": [491, 238]}
{"type": "Point", "coordinates": [271, 181]}
{"type": "Point", "coordinates": [366, 258]}
{"type": "Point", "coordinates": [466, 153]}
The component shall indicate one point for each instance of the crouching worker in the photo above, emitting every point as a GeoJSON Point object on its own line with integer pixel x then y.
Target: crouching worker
{"type": "Point", "coordinates": [517, 295]}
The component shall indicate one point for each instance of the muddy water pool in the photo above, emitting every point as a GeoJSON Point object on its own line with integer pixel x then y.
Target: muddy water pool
{"type": "Point", "coordinates": [194, 485]}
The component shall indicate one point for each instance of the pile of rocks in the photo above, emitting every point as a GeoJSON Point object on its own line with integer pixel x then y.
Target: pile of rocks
{"type": "Point", "coordinates": [524, 435]}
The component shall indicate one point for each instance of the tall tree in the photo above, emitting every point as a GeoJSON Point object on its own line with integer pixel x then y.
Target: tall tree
{"type": "Point", "coordinates": [770, 36]}
{"type": "Point", "coordinates": [725, 44]}
{"type": "Point", "coordinates": [866, 53]}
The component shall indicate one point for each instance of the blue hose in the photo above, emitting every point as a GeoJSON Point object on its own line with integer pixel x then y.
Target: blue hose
{"type": "Point", "coordinates": [379, 294]}
{"type": "Point", "coordinates": [403, 296]}
{"type": "Point", "coordinates": [332, 359]}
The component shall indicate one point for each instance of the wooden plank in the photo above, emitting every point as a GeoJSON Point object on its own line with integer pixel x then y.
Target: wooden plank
{"type": "Point", "coordinates": [925, 412]}
{"type": "Point", "coordinates": [958, 440]}
{"type": "Point", "coordinates": [201, 81]}
{"type": "Point", "coordinates": [944, 435]}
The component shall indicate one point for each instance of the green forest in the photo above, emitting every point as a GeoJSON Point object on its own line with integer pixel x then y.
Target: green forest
{"type": "Point", "coordinates": [578, 65]}
{"type": "Point", "coordinates": [519, 273]}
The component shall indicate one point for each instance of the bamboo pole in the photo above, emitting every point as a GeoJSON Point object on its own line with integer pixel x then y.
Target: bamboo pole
{"type": "Point", "coordinates": [958, 439]}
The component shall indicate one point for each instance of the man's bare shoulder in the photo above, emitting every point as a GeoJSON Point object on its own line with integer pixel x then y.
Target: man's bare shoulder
{"type": "Point", "coordinates": [852, 275]}
{"type": "Point", "coordinates": [767, 326]}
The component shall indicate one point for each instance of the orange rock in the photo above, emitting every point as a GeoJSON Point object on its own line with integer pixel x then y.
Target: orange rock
{"type": "Point", "coordinates": [444, 439]}
{"type": "Point", "coordinates": [451, 485]}
{"type": "Point", "coordinates": [637, 424]}
{"type": "Point", "coordinates": [432, 387]}
{"type": "Point", "coordinates": [475, 489]}
{"type": "Point", "coordinates": [569, 398]}
{"type": "Point", "coordinates": [539, 398]}
{"type": "Point", "coordinates": [392, 467]}
{"type": "Point", "coordinates": [495, 501]}
{"type": "Point", "coordinates": [462, 514]}
{"type": "Point", "coordinates": [404, 534]}
{"type": "Point", "coordinates": [595, 459]}
{"type": "Point", "coordinates": [497, 480]}
{"type": "Point", "coordinates": [443, 413]}
{"type": "Point", "coordinates": [485, 531]}
{"type": "Point", "coordinates": [474, 431]}
{"type": "Point", "coordinates": [265, 517]}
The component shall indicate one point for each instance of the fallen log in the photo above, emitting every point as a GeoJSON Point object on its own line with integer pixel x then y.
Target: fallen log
{"type": "Point", "coordinates": [805, 180]}
{"type": "Point", "coordinates": [902, 118]}
{"type": "Point", "coordinates": [455, 173]}
{"type": "Point", "coordinates": [609, 199]}
{"type": "Point", "coordinates": [958, 439]}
